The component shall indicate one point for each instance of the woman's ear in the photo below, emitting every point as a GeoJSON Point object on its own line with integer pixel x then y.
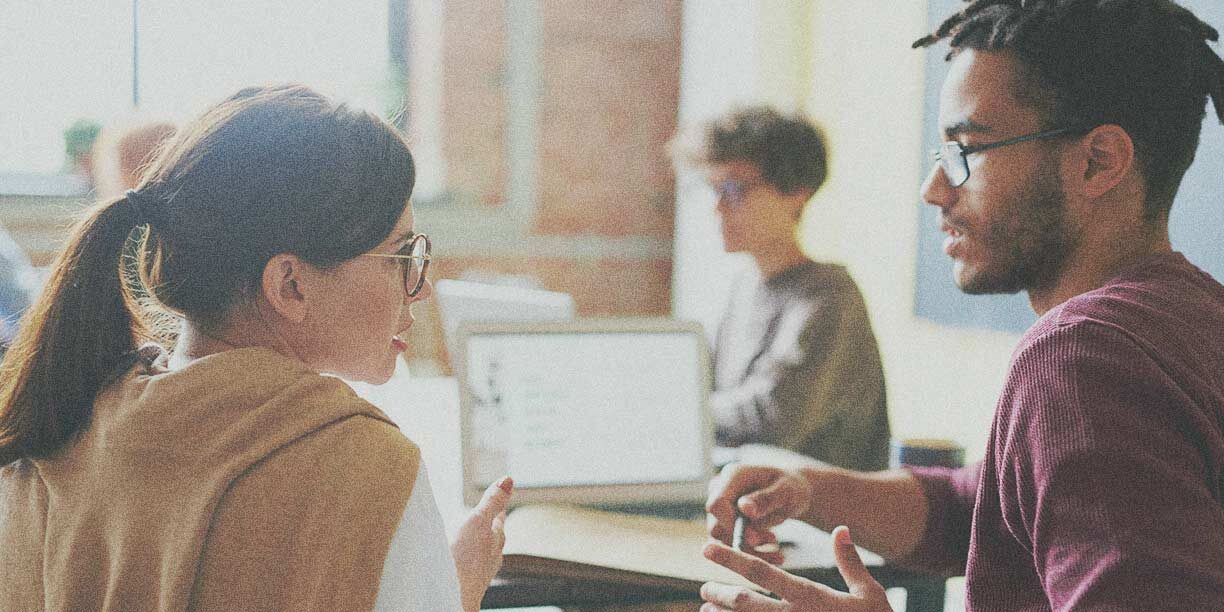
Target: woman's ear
{"type": "Point", "coordinates": [1110, 159]}
{"type": "Point", "coordinates": [284, 286]}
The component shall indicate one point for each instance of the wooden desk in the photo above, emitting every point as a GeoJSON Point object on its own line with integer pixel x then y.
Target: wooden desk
{"type": "Point", "coordinates": [427, 411]}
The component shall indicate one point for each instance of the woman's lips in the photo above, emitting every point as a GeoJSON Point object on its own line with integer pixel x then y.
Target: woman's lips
{"type": "Point", "coordinates": [397, 340]}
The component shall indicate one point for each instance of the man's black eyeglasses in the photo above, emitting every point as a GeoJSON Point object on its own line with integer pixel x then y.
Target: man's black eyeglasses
{"type": "Point", "coordinates": [952, 156]}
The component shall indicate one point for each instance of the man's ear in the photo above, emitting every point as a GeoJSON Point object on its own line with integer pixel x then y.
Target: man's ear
{"type": "Point", "coordinates": [284, 286]}
{"type": "Point", "coordinates": [1110, 158]}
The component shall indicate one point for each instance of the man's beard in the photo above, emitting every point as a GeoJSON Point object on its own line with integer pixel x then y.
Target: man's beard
{"type": "Point", "coordinates": [1031, 244]}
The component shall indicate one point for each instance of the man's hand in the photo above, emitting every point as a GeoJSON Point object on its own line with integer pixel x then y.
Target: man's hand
{"type": "Point", "coordinates": [478, 544]}
{"type": "Point", "coordinates": [797, 594]}
{"type": "Point", "coordinates": [764, 495]}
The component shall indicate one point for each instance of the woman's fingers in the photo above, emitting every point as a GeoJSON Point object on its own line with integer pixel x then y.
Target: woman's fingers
{"type": "Point", "coordinates": [496, 499]}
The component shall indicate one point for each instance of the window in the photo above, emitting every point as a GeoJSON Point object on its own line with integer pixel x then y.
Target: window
{"type": "Point", "coordinates": [103, 61]}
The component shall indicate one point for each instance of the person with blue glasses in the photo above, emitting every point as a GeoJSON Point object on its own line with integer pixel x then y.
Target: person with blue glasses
{"type": "Point", "coordinates": [795, 360]}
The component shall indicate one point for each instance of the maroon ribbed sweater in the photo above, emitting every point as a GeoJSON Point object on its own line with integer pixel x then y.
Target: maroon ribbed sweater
{"type": "Point", "coordinates": [1103, 479]}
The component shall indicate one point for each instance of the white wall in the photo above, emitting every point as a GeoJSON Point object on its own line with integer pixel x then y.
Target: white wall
{"type": "Point", "coordinates": [715, 72]}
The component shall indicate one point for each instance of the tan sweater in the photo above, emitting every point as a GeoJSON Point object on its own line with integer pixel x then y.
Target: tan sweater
{"type": "Point", "coordinates": [243, 481]}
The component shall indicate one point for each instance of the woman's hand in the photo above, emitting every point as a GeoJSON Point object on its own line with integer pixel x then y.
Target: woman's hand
{"type": "Point", "coordinates": [478, 544]}
{"type": "Point", "coordinates": [797, 594]}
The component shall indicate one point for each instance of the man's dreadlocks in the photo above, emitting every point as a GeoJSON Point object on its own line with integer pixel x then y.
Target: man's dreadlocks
{"type": "Point", "coordinates": [1144, 65]}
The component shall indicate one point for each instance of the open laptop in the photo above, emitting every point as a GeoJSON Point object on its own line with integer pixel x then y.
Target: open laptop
{"type": "Point", "coordinates": [605, 412]}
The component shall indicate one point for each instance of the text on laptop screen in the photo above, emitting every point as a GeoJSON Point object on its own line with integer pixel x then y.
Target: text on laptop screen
{"type": "Point", "coordinates": [561, 409]}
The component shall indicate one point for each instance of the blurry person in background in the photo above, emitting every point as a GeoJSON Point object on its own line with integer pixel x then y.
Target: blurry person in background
{"type": "Point", "coordinates": [16, 283]}
{"type": "Point", "coordinates": [123, 151]}
{"type": "Point", "coordinates": [113, 159]}
{"type": "Point", "coordinates": [795, 360]}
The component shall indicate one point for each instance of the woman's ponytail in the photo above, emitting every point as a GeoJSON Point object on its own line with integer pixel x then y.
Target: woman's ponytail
{"type": "Point", "coordinates": [74, 337]}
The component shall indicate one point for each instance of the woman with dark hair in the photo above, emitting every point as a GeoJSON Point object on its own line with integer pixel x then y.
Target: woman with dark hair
{"type": "Point", "coordinates": [167, 438]}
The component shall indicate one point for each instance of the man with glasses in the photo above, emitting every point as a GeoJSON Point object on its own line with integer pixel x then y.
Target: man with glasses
{"type": "Point", "coordinates": [795, 360]}
{"type": "Point", "coordinates": [1069, 125]}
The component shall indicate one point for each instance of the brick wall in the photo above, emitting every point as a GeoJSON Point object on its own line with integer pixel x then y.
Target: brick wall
{"type": "Point", "coordinates": [610, 74]}
{"type": "Point", "coordinates": [474, 104]}
{"type": "Point", "coordinates": [609, 86]}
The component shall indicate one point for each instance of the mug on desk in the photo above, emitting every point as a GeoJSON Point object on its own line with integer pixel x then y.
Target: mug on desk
{"type": "Point", "coordinates": [926, 452]}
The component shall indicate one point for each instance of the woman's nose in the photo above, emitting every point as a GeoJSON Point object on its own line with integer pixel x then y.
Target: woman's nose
{"type": "Point", "coordinates": [425, 293]}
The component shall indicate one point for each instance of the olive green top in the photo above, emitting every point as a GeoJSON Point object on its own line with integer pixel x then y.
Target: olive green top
{"type": "Point", "coordinates": [796, 366]}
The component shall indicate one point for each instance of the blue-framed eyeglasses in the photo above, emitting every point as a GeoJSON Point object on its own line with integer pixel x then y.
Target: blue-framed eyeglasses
{"type": "Point", "coordinates": [952, 156]}
{"type": "Point", "coordinates": [735, 191]}
{"type": "Point", "coordinates": [415, 256]}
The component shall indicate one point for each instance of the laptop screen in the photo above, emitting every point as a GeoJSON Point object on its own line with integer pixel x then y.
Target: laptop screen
{"type": "Point", "coordinates": [586, 411]}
